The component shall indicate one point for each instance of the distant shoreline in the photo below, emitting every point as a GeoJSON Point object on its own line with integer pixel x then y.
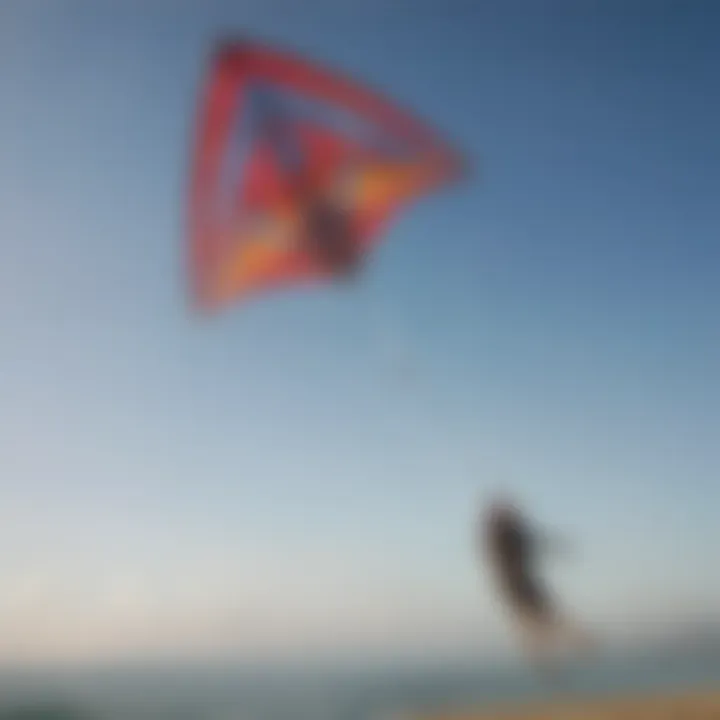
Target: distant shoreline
{"type": "Point", "coordinates": [698, 704]}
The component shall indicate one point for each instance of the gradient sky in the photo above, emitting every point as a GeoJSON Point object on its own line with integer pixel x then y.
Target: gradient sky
{"type": "Point", "coordinates": [304, 469]}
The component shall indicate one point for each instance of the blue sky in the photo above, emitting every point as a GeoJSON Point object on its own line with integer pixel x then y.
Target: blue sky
{"type": "Point", "coordinates": [303, 470]}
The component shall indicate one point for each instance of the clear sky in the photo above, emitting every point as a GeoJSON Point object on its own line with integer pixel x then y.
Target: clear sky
{"type": "Point", "coordinates": [304, 469]}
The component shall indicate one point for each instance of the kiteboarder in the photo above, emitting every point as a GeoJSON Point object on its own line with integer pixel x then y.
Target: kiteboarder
{"type": "Point", "coordinates": [512, 548]}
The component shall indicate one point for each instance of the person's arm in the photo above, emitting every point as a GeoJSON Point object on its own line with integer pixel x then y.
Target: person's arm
{"type": "Point", "coordinates": [551, 542]}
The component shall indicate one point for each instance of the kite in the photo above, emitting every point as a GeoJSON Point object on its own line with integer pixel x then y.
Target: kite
{"type": "Point", "coordinates": [297, 171]}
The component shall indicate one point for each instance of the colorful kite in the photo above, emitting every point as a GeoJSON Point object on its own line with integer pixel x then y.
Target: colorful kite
{"type": "Point", "coordinates": [297, 172]}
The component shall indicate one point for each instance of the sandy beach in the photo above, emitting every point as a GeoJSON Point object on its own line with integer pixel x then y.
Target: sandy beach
{"type": "Point", "coordinates": [697, 705]}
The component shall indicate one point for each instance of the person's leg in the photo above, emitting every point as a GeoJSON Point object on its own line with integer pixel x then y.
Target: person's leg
{"type": "Point", "coordinates": [534, 636]}
{"type": "Point", "coordinates": [537, 641]}
{"type": "Point", "coordinates": [539, 617]}
{"type": "Point", "coordinates": [555, 630]}
{"type": "Point", "coordinates": [574, 634]}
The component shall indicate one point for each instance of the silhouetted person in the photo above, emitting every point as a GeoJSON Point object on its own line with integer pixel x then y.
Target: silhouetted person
{"type": "Point", "coordinates": [513, 548]}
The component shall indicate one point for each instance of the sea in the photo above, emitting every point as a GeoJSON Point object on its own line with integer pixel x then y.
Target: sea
{"type": "Point", "coordinates": [381, 692]}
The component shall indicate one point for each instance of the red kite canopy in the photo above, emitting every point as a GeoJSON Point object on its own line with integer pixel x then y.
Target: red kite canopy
{"type": "Point", "coordinates": [269, 120]}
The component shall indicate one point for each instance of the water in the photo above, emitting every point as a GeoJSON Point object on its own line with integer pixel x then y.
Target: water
{"type": "Point", "coordinates": [338, 694]}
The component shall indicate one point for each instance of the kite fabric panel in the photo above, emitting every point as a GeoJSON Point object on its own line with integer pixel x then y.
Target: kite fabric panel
{"type": "Point", "coordinates": [271, 123]}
